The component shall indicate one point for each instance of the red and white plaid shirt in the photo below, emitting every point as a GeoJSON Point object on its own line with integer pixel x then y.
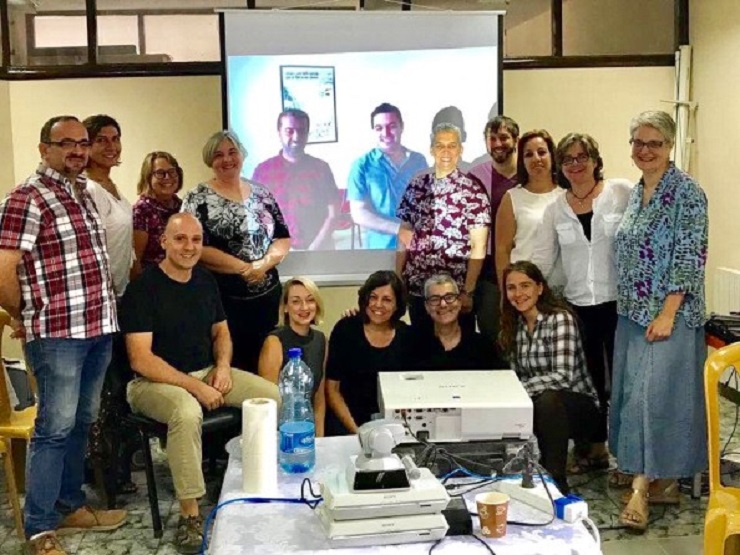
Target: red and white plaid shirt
{"type": "Point", "coordinates": [64, 274]}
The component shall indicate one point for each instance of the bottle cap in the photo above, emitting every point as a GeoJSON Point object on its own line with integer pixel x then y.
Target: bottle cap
{"type": "Point", "coordinates": [295, 352]}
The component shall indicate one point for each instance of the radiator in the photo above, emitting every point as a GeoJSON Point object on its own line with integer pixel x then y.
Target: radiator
{"type": "Point", "coordinates": [726, 297]}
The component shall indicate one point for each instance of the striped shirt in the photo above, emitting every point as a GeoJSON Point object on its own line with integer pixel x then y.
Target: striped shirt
{"type": "Point", "coordinates": [64, 274]}
{"type": "Point", "coordinates": [552, 356]}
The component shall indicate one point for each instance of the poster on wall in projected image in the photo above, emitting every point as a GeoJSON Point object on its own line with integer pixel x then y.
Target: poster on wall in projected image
{"type": "Point", "coordinates": [311, 89]}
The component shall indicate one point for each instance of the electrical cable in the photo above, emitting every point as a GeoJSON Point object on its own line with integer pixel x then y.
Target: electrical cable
{"type": "Point", "coordinates": [302, 500]}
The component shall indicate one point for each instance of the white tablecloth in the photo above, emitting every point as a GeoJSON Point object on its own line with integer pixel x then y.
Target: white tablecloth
{"type": "Point", "coordinates": [282, 529]}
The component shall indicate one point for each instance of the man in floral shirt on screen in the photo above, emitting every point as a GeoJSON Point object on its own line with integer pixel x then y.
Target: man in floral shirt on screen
{"type": "Point", "coordinates": [445, 218]}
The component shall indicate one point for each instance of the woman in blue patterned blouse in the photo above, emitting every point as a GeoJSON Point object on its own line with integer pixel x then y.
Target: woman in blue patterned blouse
{"type": "Point", "coordinates": [657, 422]}
{"type": "Point", "coordinates": [541, 338]}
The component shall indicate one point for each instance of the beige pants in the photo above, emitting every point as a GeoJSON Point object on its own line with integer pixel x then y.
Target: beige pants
{"type": "Point", "coordinates": [183, 414]}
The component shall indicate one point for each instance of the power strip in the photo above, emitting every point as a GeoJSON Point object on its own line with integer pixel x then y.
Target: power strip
{"type": "Point", "coordinates": [534, 497]}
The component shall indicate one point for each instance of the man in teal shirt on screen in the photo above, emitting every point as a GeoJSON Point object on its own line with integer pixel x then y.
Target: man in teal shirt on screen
{"type": "Point", "coordinates": [378, 180]}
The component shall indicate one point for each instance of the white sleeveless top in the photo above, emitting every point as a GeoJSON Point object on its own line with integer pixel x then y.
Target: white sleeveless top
{"type": "Point", "coordinates": [529, 210]}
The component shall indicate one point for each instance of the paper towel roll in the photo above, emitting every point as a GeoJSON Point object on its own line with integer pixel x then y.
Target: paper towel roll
{"type": "Point", "coordinates": [259, 447]}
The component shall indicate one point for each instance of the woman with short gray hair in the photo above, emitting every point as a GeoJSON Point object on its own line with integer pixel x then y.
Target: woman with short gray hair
{"type": "Point", "coordinates": [657, 423]}
{"type": "Point", "coordinates": [244, 239]}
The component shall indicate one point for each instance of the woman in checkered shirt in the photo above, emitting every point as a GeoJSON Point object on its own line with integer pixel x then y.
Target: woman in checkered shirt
{"type": "Point", "coordinates": [540, 336]}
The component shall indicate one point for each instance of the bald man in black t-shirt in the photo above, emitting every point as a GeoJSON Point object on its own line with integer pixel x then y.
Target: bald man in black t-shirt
{"type": "Point", "coordinates": [179, 343]}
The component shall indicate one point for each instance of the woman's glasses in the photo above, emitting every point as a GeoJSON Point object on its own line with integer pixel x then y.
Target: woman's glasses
{"type": "Point", "coordinates": [436, 300]}
{"type": "Point", "coordinates": [161, 174]}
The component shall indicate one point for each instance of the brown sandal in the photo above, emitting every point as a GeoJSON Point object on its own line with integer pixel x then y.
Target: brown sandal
{"type": "Point", "coordinates": [633, 516]}
{"type": "Point", "coordinates": [585, 465]}
{"type": "Point", "coordinates": [657, 495]}
{"type": "Point", "coordinates": [619, 480]}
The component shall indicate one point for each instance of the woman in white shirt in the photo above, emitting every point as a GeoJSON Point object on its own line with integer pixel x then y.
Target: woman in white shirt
{"type": "Point", "coordinates": [520, 214]}
{"type": "Point", "coordinates": [578, 230]}
{"type": "Point", "coordinates": [114, 209]}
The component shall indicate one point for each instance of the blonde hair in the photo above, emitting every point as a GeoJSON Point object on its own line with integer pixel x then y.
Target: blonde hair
{"type": "Point", "coordinates": [311, 288]}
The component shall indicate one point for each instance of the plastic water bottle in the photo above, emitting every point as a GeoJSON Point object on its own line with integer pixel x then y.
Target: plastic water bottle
{"type": "Point", "coordinates": [297, 428]}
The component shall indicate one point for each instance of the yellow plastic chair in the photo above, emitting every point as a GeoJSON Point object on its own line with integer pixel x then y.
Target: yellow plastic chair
{"type": "Point", "coordinates": [16, 429]}
{"type": "Point", "coordinates": [7, 454]}
{"type": "Point", "coordinates": [722, 521]}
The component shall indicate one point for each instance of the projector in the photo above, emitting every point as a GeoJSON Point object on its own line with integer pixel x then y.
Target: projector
{"type": "Point", "coordinates": [457, 405]}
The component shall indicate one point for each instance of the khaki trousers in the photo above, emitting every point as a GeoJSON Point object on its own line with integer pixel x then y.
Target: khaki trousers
{"type": "Point", "coordinates": [183, 414]}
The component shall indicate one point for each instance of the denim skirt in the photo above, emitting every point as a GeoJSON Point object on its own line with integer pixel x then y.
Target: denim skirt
{"type": "Point", "coordinates": [657, 421]}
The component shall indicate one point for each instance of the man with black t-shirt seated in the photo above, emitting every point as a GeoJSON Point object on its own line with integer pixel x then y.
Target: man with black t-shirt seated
{"type": "Point", "coordinates": [179, 344]}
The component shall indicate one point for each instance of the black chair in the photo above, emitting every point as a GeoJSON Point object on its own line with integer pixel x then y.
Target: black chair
{"type": "Point", "coordinates": [219, 421]}
{"type": "Point", "coordinates": [224, 422]}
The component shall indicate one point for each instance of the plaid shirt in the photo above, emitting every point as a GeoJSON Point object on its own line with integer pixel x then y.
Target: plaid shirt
{"type": "Point", "coordinates": [64, 275]}
{"type": "Point", "coordinates": [552, 356]}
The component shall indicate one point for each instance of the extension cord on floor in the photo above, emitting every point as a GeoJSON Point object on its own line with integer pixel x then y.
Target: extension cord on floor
{"type": "Point", "coordinates": [534, 497]}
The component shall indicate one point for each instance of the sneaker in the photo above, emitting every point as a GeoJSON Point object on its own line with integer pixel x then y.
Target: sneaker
{"type": "Point", "coordinates": [45, 543]}
{"type": "Point", "coordinates": [189, 536]}
{"type": "Point", "coordinates": [86, 518]}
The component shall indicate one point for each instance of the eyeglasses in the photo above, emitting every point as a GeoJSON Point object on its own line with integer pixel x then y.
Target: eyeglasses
{"type": "Point", "coordinates": [436, 300]}
{"type": "Point", "coordinates": [69, 144]}
{"type": "Point", "coordinates": [161, 174]}
{"type": "Point", "coordinates": [582, 158]}
{"type": "Point", "coordinates": [637, 144]}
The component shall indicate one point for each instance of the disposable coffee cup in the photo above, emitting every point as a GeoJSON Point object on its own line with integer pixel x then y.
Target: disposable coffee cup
{"type": "Point", "coordinates": [493, 509]}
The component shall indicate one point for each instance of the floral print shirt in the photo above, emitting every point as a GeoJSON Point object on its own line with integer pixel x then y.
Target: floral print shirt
{"type": "Point", "coordinates": [441, 213]}
{"type": "Point", "coordinates": [242, 229]}
{"type": "Point", "coordinates": [661, 249]}
{"type": "Point", "coordinates": [151, 216]}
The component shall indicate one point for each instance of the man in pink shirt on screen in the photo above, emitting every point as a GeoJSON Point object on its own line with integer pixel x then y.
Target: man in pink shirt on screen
{"type": "Point", "coordinates": [303, 185]}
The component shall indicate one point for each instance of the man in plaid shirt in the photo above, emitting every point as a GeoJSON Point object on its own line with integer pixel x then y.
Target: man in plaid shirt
{"type": "Point", "coordinates": [55, 278]}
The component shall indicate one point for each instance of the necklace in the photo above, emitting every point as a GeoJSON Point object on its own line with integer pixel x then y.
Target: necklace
{"type": "Point", "coordinates": [582, 199]}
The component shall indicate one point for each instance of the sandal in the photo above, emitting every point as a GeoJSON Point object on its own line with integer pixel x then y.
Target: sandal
{"type": "Point", "coordinates": [619, 480]}
{"type": "Point", "coordinates": [659, 494]}
{"type": "Point", "coordinates": [636, 513]}
{"type": "Point", "coordinates": [585, 465]}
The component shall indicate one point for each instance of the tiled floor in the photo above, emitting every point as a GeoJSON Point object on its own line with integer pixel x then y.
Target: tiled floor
{"type": "Point", "coordinates": [673, 530]}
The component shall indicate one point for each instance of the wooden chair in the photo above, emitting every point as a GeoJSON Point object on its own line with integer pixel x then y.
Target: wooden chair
{"type": "Point", "coordinates": [722, 520]}
{"type": "Point", "coordinates": [14, 425]}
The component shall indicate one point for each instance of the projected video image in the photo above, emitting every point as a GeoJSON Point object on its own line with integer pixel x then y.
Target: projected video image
{"type": "Point", "coordinates": [356, 128]}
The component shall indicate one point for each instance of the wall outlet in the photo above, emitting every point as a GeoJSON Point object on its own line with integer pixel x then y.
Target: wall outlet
{"type": "Point", "coordinates": [534, 497]}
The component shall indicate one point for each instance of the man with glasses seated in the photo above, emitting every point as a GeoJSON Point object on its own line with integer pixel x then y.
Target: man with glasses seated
{"type": "Point", "coordinates": [55, 278]}
{"type": "Point", "coordinates": [451, 346]}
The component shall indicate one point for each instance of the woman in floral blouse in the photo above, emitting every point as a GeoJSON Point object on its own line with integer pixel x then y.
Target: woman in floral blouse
{"type": "Point", "coordinates": [161, 179]}
{"type": "Point", "coordinates": [657, 422]}
{"type": "Point", "coordinates": [244, 239]}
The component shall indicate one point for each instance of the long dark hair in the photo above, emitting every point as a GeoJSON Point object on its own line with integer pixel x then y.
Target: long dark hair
{"type": "Point", "coordinates": [521, 170]}
{"type": "Point", "coordinates": [548, 303]}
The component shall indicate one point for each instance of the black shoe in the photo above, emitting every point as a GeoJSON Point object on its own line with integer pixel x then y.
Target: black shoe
{"type": "Point", "coordinates": [189, 536]}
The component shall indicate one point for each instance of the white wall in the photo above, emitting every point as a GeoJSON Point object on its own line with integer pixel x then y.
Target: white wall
{"type": "Point", "coordinates": [715, 35]}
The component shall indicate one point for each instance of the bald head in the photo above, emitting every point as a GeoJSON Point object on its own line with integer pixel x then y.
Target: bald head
{"type": "Point", "coordinates": [182, 242]}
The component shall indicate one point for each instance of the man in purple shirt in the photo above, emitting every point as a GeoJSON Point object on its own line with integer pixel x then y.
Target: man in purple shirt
{"type": "Point", "coordinates": [497, 176]}
{"type": "Point", "coordinates": [303, 186]}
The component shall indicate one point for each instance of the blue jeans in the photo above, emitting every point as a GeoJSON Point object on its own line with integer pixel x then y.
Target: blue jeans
{"type": "Point", "coordinates": [70, 375]}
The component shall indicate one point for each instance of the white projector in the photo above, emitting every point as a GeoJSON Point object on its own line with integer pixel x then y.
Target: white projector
{"type": "Point", "coordinates": [457, 405]}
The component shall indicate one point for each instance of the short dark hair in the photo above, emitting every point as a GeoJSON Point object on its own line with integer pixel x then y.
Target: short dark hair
{"type": "Point", "coordinates": [46, 129]}
{"type": "Point", "coordinates": [296, 113]}
{"type": "Point", "coordinates": [385, 108]}
{"type": "Point", "coordinates": [521, 169]}
{"type": "Point", "coordinates": [591, 147]}
{"type": "Point", "coordinates": [381, 278]}
{"type": "Point", "coordinates": [95, 124]}
{"type": "Point", "coordinates": [494, 124]}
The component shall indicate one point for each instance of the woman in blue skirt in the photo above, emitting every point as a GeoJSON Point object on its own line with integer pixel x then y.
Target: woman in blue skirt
{"type": "Point", "coordinates": [657, 420]}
